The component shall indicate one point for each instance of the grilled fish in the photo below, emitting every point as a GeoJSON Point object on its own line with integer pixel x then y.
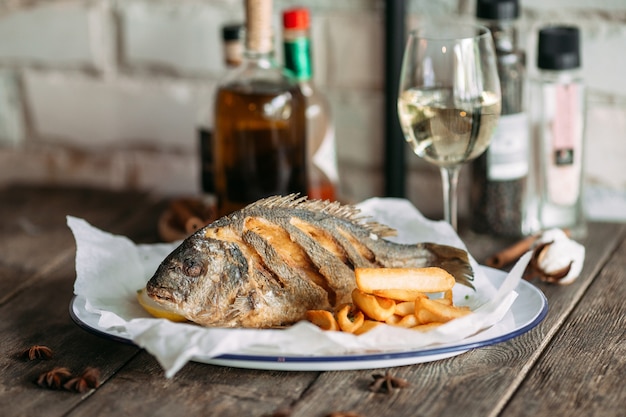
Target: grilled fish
{"type": "Point", "coordinates": [267, 264]}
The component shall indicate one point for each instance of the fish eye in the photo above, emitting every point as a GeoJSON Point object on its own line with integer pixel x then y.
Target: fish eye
{"type": "Point", "coordinates": [192, 268]}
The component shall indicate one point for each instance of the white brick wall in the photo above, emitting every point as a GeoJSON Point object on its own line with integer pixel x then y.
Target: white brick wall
{"type": "Point", "coordinates": [11, 116]}
{"type": "Point", "coordinates": [171, 38]}
{"type": "Point", "coordinates": [109, 92]}
{"type": "Point", "coordinates": [54, 33]}
{"type": "Point", "coordinates": [86, 111]}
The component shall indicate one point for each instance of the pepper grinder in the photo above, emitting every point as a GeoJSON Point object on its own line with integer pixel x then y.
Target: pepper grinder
{"type": "Point", "coordinates": [499, 176]}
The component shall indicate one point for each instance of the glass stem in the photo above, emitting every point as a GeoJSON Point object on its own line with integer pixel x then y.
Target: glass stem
{"type": "Point", "coordinates": [450, 180]}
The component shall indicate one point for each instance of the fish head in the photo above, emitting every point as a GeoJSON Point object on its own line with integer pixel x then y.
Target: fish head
{"type": "Point", "coordinates": [200, 278]}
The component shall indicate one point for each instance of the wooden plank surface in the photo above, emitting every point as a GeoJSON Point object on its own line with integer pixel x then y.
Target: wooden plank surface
{"type": "Point", "coordinates": [571, 364]}
{"type": "Point", "coordinates": [197, 390]}
{"type": "Point", "coordinates": [37, 285]}
{"type": "Point", "coordinates": [480, 382]}
{"type": "Point", "coordinates": [581, 373]}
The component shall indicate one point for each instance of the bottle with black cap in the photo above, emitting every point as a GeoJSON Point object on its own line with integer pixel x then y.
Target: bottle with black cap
{"type": "Point", "coordinates": [499, 176]}
{"type": "Point", "coordinates": [559, 97]}
{"type": "Point", "coordinates": [232, 38]}
{"type": "Point", "coordinates": [232, 44]}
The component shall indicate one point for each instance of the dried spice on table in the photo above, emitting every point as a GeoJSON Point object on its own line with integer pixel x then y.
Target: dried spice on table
{"type": "Point", "coordinates": [61, 378]}
{"type": "Point", "coordinates": [89, 379]}
{"type": "Point", "coordinates": [55, 378]}
{"type": "Point", "coordinates": [37, 352]}
{"type": "Point", "coordinates": [387, 382]}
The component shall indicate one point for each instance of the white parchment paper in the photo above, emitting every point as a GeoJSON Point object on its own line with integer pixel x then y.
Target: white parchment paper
{"type": "Point", "coordinates": [110, 269]}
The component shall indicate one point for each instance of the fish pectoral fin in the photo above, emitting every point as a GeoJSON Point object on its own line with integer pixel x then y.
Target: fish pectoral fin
{"type": "Point", "coordinates": [242, 305]}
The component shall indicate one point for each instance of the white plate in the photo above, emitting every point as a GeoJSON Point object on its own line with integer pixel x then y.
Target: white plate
{"type": "Point", "coordinates": [528, 310]}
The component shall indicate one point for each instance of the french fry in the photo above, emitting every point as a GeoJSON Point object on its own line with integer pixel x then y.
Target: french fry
{"type": "Point", "coordinates": [394, 296]}
{"type": "Point", "coordinates": [408, 321]}
{"type": "Point", "coordinates": [367, 326]}
{"type": "Point", "coordinates": [377, 308]}
{"type": "Point", "coordinates": [395, 319]}
{"type": "Point", "coordinates": [429, 279]}
{"type": "Point", "coordinates": [323, 319]}
{"type": "Point", "coordinates": [426, 317]}
{"type": "Point", "coordinates": [349, 319]}
{"type": "Point", "coordinates": [398, 294]}
{"type": "Point", "coordinates": [428, 311]}
{"type": "Point", "coordinates": [405, 308]}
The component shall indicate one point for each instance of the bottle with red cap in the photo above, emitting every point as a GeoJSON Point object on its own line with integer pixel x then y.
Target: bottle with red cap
{"type": "Point", "coordinates": [323, 177]}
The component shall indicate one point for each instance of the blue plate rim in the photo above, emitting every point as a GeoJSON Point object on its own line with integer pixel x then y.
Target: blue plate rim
{"type": "Point", "coordinates": [348, 358]}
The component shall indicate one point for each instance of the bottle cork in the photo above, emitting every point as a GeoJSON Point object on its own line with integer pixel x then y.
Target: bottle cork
{"type": "Point", "coordinates": [259, 26]}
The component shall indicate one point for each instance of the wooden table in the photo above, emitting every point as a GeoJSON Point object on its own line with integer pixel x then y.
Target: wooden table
{"type": "Point", "coordinates": [572, 364]}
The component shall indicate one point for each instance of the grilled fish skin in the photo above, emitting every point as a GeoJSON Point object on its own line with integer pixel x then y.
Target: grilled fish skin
{"type": "Point", "coordinates": [267, 264]}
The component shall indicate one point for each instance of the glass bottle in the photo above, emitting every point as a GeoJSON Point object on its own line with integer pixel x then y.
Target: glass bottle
{"type": "Point", "coordinates": [232, 38]}
{"type": "Point", "coordinates": [499, 176]}
{"type": "Point", "coordinates": [233, 51]}
{"type": "Point", "coordinates": [559, 98]}
{"type": "Point", "coordinates": [260, 125]}
{"type": "Point", "coordinates": [323, 174]}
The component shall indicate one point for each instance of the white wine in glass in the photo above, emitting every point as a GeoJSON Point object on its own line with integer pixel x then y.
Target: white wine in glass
{"type": "Point", "coordinates": [449, 99]}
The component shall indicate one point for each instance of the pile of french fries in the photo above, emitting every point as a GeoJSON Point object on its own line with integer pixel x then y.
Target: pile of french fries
{"type": "Point", "coordinates": [414, 298]}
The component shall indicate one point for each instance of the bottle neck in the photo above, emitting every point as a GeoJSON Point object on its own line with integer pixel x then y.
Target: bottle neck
{"type": "Point", "coordinates": [504, 33]}
{"type": "Point", "coordinates": [259, 34]}
{"type": "Point", "coordinates": [233, 53]}
{"type": "Point", "coordinates": [569, 76]}
{"type": "Point", "coordinates": [297, 51]}
{"type": "Point", "coordinates": [261, 58]}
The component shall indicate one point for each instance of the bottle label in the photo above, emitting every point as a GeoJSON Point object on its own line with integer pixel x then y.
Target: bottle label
{"type": "Point", "coordinates": [298, 58]}
{"type": "Point", "coordinates": [325, 158]}
{"type": "Point", "coordinates": [507, 155]}
{"type": "Point", "coordinates": [565, 149]}
{"type": "Point", "coordinates": [233, 53]}
{"type": "Point", "coordinates": [207, 168]}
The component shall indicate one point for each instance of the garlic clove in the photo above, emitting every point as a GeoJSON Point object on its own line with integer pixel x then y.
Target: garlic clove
{"type": "Point", "coordinates": [556, 258]}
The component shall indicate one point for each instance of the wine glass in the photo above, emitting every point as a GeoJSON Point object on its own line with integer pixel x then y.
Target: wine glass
{"type": "Point", "coordinates": [449, 99]}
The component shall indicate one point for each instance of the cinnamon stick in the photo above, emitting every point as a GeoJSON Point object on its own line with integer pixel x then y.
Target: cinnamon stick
{"type": "Point", "coordinates": [512, 253]}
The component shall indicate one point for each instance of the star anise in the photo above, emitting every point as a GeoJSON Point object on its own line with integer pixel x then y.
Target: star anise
{"type": "Point", "coordinates": [55, 378]}
{"type": "Point", "coordinates": [386, 383]}
{"type": "Point", "coordinates": [89, 379]}
{"type": "Point", "coordinates": [37, 352]}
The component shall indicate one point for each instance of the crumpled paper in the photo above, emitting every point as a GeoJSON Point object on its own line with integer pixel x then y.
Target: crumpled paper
{"type": "Point", "coordinates": [110, 269]}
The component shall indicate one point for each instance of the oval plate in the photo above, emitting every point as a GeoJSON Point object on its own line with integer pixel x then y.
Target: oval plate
{"type": "Point", "coordinates": [527, 311]}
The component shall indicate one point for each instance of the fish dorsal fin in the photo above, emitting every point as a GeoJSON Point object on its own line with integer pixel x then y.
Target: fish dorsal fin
{"type": "Point", "coordinates": [331, 208]}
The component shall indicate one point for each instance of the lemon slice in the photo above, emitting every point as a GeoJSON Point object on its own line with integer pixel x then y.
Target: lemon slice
{"type": "Point", "coordinates": [156, 310]}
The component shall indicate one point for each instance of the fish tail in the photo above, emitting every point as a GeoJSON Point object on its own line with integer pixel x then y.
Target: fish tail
{"type": "Point", "coordinates": [453, 260]}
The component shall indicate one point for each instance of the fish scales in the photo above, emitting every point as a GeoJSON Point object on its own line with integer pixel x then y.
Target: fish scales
{"type": "Point", "coordinates": [267, 264]}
